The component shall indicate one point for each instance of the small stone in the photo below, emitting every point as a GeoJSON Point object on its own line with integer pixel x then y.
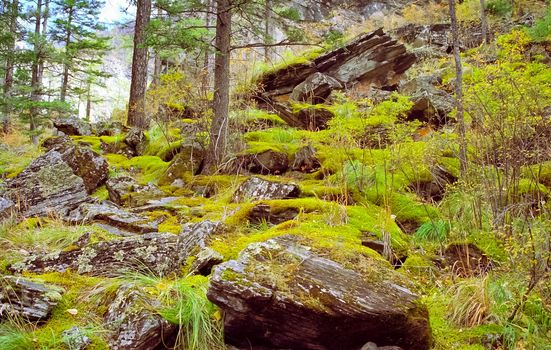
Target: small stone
{"type": "Point", "coordinates": [205, 261]}
{"type": "Point", "coordinates": [72, 311]}
{"type": "Point", "coordinates": [76, 339]}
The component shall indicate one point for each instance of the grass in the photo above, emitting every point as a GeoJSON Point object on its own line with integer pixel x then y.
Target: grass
{"type": "Point", "coordinates": [184, 303]}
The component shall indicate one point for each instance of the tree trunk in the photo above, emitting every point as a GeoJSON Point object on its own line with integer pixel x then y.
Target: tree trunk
{"type": "Point", "coordinates": [35, 76]}
{"type": "Point", "coordinates": [157, 70]}
{"type": "Point", "coordinates": [65, 75]}
{"type": "Point", "coordinates": [458, 90]}
{"type": "Point", "coordinates": [268, 31]}
{"type": "Point", "coordinates": [138, 85]}
{"type": "Point", "coordinates": [484, 21]}
{"type": "Point", "coordinates": [88, 102]}
{"type": "Point", "coordinates": [13, 9]}
{"type": "Point", "coordinates": [221, 103]}
{"type": "Point", "coordinates": [45, 16]}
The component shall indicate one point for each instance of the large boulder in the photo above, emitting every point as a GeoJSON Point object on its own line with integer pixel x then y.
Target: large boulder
{"type": "Point", "coordinates": [430, 104]}
{"type": "Point", "coordinates": [135, 139]}
{"type": "Point", "coordinates": [73, 126]}
{"type": "Point", "coordinates": [57, 181]}
{"type": "Point", "coordinates": [133, 323]}
{"type": "Point", "coordinates": [280, 294]}
{"type": "Point", "coordinates": [24, 298]}
{"type": "Point", "coordinates": [47, 186]}
{"type": "Point", "coordinates": [158, 253]}
{"type": "Point", "coordinates": [126, 191]}
{"type": "Point", "coordinates": [372, 59]}
{"type": "Point", "coordinates": [256, 188]}
{"type": "Point", "coordinates": [188, 160]}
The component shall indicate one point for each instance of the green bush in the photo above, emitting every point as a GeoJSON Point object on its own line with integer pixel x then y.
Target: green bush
{"type": "Point", "coordinates": [542, 28]}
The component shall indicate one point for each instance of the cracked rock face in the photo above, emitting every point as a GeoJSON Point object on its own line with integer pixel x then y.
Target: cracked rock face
{"type": "Point", "coordinates": [259, 189]}
{"type": "Point", "coordinates": [158, 253]}
{"type": "Point", "coordinates": [27, 299]}
{"type": "Point", "coordinates": [279, 294]}
{"type": "Point", "coordinates": [133, 322]}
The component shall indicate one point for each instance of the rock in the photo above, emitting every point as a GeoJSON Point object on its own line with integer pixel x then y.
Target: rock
{"type": "Point", "coordinates": [135, 139]}
{"type": "Point", "coordinates": [259, 189]}
{"type": "Point", "coordinates": [315, 89]}
{"type": "Point", "coordinates": [117, 148]}
{"type": "Point", "coordinates": [134, 323]}
{"type": "Point", "coordinates": [371, 59]}
{"type": "Point", "coordinates": [88, 165]}
{"type": "Point", "coordinates": [267, 162]}
{"type": "Point", "coordinates": [55, 142]}
{"type": "Point", "coordinates": [75, 338]}
{"type": "Point", "coordinates": [430, 104]}
{"type": "Point", "coordinates": [109, 128]}
{"type": "Point", "coordinates": [439, 35]}
{"type": "Point", "coordinates": [73, 126]}
{"type": "Point", "coordinates": [434, 190]}
{"type": "Point", "coordinates": [126, 191]}
{"type": "Point", "coordinates": [24, 298]}
{"type": "Point", "coordinates": [305, 160]}
{"type": "Point", "coordinates": [188, 160]}
{"type": "Point", "coordinates": [205, 261]}
{"type": "Point", "coordinates": [158, 253]}
{"type": "Point", "coordinates": [280, 294]}
{"type": "Point", "coordinates": [264, 213]}
{"type": "Point", "coordinates": [7, 208]}
{"type": "Point", "coordinates": [84, 162]}
{"type": "Point", "coordinates": [110, 213]}
{"type": "Point", "coordinates": [47, 186]}
{"type": "Point", "coordinates": [466, 260]}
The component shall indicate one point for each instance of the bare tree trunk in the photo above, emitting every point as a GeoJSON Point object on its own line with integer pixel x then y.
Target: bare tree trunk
{"type": "Point", "coordinates": [65, 75]}
{"type": "Point", "coordinates": [157, 61]}
{"type": "Point", "coordinates": [88, 102]}
{"type": "Point", "coordinates": [458, 90]}
{"type": "Point", "coordinates": [35, 76]}
{"type": "Point", "coordinates": [268, 31]}
{"type": "Point", "coordinates": [45, 16]}
{"type": "Point", "coordinates": [13, 9]}
{"type": "Point", "coordinates": [221, 103]}
{"type": "Point", "coordinates": [138, 85]}
{"type": "Point", "coordinates": [484, 22]}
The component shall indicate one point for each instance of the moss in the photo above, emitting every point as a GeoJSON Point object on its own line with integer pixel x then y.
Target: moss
{"type": "Point", "coordinates": [169, 224]}
{"type": "Point", "coordinates": [86, 318]}
{"type": "Point", "coordinates": [417, 265]}
{"type": "Point", "coordinates": [149, 169]}
{"type": "Point", "coordinates": [405, 206]}
{"type": "Point", "coordinates": [101, 193]}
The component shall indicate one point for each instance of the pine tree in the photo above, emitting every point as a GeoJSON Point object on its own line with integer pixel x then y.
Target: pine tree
{"type": "Point", "coordinates": [138, 85]}
{"type": "Point", "coordinates": [76, 27]}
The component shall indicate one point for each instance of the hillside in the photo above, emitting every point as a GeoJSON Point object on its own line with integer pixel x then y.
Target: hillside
{"type": "Point", "coordinates": [363, 199]}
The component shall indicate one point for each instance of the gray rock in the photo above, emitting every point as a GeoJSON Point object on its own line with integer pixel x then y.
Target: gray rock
{"type": "Point", "coordinates": [111, 214]}
{"type": "Point", "coordinates": [76, 339]}
{"type": "Point", "coordinates": [87, 164]}
{"type": "Point", "coordinates": [30, 300]}
{"type": "Point", "coordinates": [306, 160]}
{"type": "Point", "coordinates": [315, 89]}
{"type": "Point", "coordinates": [7, 207]}
{"type": "Point", "coordinates": [135, 139]}
{"type": "Point", "coordinates": [126, 191]}
{"type": "Point", "coordinates": [259, 189]}
{"type": "Point", "coordinates": [158, 253]}
{"type": "Point", "coordinates": [205, 261]}
{"type": "Point", "coordinates": [430, 103]}
{"type": "Point", "coordinates": [133, 322]}
{"type": "Point", "coordinates": [47, 186]}
{"type": "Point", "coordinates": [281, 294]}
{"type": "Point", "coordinates": [73, 126]}
{"type": "Point", "coordinates": [266, 163]}
{"type": "Point", "coordinates": [188, 160]}
{"type": "Point", "coordinates": [371, 59]}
